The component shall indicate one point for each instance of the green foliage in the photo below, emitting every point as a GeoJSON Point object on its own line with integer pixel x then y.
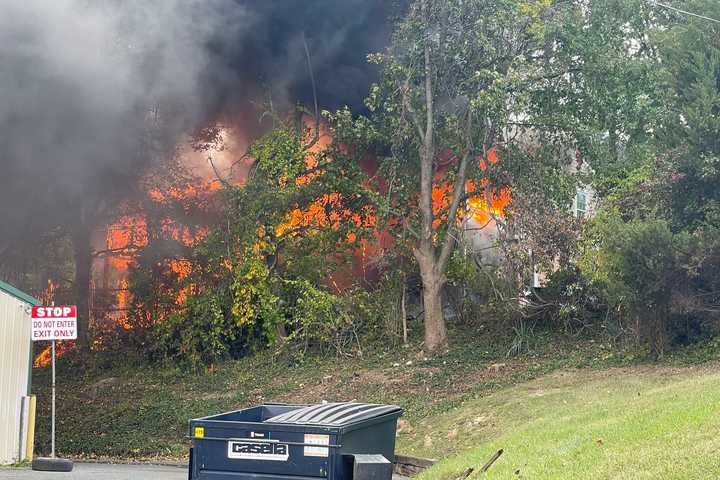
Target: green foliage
{"type": "Point", "coordinates": [637, 264]}
{"type": "Point", "coordinates": [198, 334]}
{"type": "Point", "coordinates": [691, 61]}
{"type": "Point", "coordinates": [632, 259]}
{"type": "Point", "coordinates": [479, 293]}
{"type": "Point", "coordinates": [253, 300]}
{"type": "Point", "coordinates": [649, 122]}
{"type": "Point", "coordinates": [480, 67]}
{"type": "Point", "coordinates": [573, 302]}
{"type": "Point", "coordinates": [604, 95]}
{"type": "Point", "coordinates": [279, 156]}
{"type": "Point", "coordinates": [523, 337]}
{"type": "Point", "coordinates": [320, 320]}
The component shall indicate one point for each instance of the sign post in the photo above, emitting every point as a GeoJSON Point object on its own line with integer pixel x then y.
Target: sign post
{"type": "Point", "coordinates": [52, 415]}
{"type": "Point", "coordinates": [53, 323]}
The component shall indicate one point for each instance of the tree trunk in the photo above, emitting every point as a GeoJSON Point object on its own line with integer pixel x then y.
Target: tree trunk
{"type": "Point", "coordinates": [281, 331]}
{"type": "Point", "coordinates": [83, 265]}
{"type": "Point", "coordinates": [433, 281]}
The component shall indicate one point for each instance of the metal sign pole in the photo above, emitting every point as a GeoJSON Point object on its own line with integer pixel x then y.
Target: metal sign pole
{"type": "Point", "coordinates": [53, 323]}
{"type": "Point", "coordinates": [52, 444]}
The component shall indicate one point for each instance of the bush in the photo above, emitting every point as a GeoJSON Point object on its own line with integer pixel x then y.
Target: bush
{"type": "Point", "coordinates": [202, 332]}
{"type": "Point", "coordinates": [569, 301]}
{"type": "Point", "coordinates": [321, 321]}
{"type": "Point", "coordinates": [253, 307]}
{"type": "Point", "coordinates": [636, 263]}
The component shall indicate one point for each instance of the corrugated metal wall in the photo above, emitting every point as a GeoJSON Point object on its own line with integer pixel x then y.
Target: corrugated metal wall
{"type": "Point", "coordinates": [15, 329]}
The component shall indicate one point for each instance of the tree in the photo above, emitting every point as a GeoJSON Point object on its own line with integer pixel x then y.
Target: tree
{"type": "Point", "coordinates": [453, 99]}
{"type": "Point", "coordinates": [688, 163]}
{"type": "Point", "coordinates": [653, 248]}
{"type": "Point", "coordinates": [301, 212]}
{"type": "Point", "coordinates": [264, 273]}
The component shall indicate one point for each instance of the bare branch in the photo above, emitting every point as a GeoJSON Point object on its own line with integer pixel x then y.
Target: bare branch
{"type": "Point", "coordinates": [316, 135]}
{"type": "Point", "coordinates": [217, 173]}
{"type": "Point", "coordinates": [128, 250]}
{"type": "Point", "coordinates": [458, 191]}
{"type": "Point", "coordinates": [407, 104]}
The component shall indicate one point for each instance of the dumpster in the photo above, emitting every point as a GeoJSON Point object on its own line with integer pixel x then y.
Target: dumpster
{"type": "Point", "coordinates": [334, 441]}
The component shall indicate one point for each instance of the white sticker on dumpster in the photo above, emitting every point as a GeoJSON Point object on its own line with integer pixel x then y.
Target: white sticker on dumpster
{"type": "Point", "coordinates": [253, 450]}
{"type": "Point", "coordinates": [316, 440]}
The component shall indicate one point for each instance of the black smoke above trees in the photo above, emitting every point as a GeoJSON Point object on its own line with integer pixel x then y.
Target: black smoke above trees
{"type": "Point", "coordinates": [270, 58]}
{"type": "Point", "coordinates": [91, 93]}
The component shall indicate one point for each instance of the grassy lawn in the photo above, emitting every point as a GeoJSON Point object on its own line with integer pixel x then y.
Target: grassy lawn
{"type": "Point", "coordinates": [566, 410]}
{"type": "Point", "coordinates": [620, 423]}
{"type": "Point", "coordinates": [126, 411]}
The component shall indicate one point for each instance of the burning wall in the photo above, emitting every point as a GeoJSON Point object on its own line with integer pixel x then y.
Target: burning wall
{"type": "Point", "coordinates": [221, 153]}
{"type": "Point", "coordinates": [81, 103]}
{"type": "Point", "coordinates": [175, 210]}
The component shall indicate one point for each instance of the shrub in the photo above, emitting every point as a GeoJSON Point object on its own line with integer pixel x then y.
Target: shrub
{"type": "Point", "coordinates": [200, 333]}
{"type": "Point", "coordinates": [636, 264]}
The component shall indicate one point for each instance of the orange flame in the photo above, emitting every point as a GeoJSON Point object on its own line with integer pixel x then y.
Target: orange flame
{"type": "Point", "coordinates": [44, 358]}
{"type": "Point", "coordinates": [129, 233]}
{"type": "Point", "coordinates": [490, 202]}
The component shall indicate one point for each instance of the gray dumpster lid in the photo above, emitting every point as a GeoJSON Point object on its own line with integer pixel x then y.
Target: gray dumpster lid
{"type": "Point", "coordinates": [334, 414]}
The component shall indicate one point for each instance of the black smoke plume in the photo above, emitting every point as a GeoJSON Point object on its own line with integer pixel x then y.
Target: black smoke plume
{"type": "Point", "coordinates": [91, 90]}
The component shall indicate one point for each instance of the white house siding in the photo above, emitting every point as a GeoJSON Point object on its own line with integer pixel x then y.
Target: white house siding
{"type": "Point", "coordinates": [482, 240]}
{"type": "Point", "coordinates": [15, 328]}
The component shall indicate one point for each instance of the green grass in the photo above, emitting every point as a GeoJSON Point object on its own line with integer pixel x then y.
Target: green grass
{"type": "Point", "coordinates": [140, 412]}
{"type": "Point", "coordinates": [461, 404]}
{"type": "Point", "coordinates": [622, 423]}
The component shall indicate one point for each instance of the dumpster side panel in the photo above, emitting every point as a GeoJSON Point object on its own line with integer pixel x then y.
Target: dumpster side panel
{"type": "Point", "coordinates": [248, 476]}
{"type": "Point", "coordinates": [374, 439]}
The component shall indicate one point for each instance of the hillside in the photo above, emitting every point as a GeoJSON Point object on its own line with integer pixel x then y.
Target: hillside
{"type": "Point", "coordinates": [461, 406]}
{"type": "Point", "coordinates": [629, 423]}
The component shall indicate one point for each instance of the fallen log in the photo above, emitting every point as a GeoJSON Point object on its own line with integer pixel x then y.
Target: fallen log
{"type": "Point", "coordinates": [491, 461]}
{"type": "Point", "coordinates": [411, 466]}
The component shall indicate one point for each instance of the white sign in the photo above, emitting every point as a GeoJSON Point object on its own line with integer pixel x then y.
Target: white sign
{"type": "Point", "coordinates": [54, 323]}
{"type": "Point", "coordinates": [253, 450]}
{"type": "Point", "coordinates": [316, 440]}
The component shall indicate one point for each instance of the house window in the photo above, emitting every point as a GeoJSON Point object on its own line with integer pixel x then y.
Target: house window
{"type": "Point", "coordinates": [580, 204]}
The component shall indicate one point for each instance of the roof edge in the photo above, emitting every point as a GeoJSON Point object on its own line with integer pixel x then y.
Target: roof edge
{"type": "Point", "coordinates": [20, 295]}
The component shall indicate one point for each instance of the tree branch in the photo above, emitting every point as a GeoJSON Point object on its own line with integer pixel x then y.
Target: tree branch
{"type": "Point", "coordinates": [427, 154]}
{"type": "Point", "coordinates": [217, 173]}
{"type": "Point", "coordinates": [316, 136]}
{"type": "Point", "coordinates": [458, 191]}
{"type": "Point", "coordinates": [128, 249]}
{"type": "Point", "coordinates": [407, 104]}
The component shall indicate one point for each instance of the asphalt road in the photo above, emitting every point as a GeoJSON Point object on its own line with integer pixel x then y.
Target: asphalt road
{"type": "Point", "coordinates": [102, 471]}
{"type": "Point", "coordinates": [99, 471]}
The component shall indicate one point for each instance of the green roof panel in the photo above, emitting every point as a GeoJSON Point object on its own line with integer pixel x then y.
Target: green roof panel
{"type": "Point", "coordinates": [7, 288]}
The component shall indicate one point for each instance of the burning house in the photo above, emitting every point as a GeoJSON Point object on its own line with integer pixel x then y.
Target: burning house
{"type": "Point", "coordinates": [128, 155]}
{"type": "Point", "coordinates": [93, 113]}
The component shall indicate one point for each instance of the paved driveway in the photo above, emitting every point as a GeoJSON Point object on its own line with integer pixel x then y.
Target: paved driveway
{"type": "Point", "coordinates": [99, 471]}
{"type": "Point", "coordinates": [103, 471]}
